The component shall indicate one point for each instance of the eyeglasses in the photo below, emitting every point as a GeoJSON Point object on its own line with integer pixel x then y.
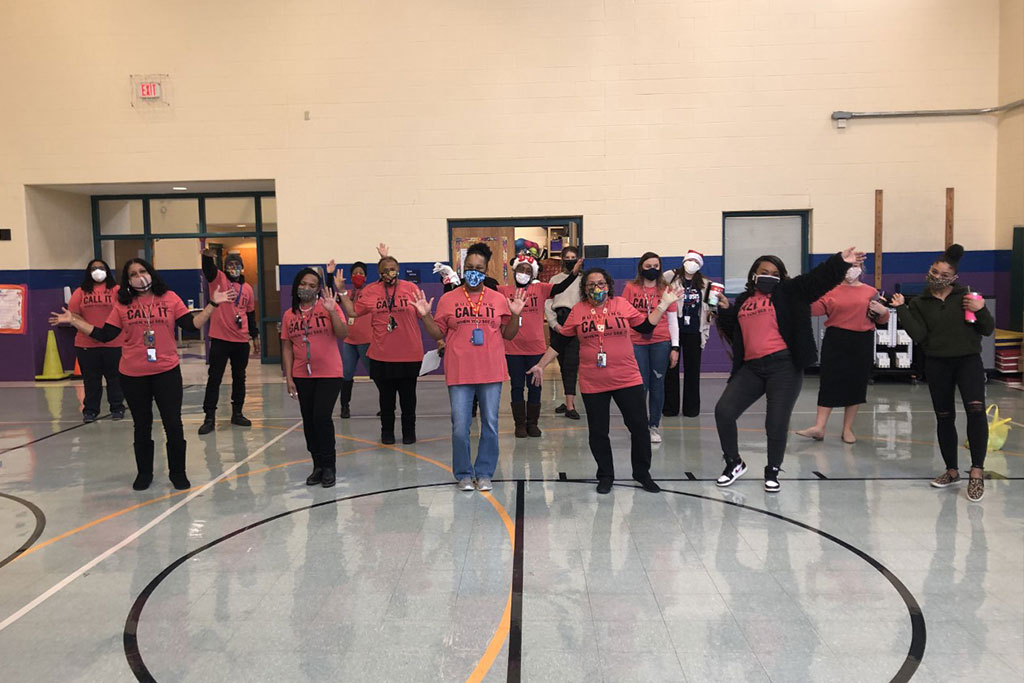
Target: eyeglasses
{"type": "Point", "coordinates": [389, 271]}
{"type": "Point", "coordinates": [597, 285]}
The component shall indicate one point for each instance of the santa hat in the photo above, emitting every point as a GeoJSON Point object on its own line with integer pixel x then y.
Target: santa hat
{"type": "Point", "coordinates": [695, 256]}
{"type": "Point", "coordinates": [526, 258]}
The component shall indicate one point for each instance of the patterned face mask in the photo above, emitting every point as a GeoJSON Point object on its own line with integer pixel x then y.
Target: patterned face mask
{"type": "Point", "coordinates": [939, 282]}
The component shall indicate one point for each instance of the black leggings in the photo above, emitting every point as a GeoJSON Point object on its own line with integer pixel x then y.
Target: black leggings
{"type": "Point", "coordinates": [569, 365]}
{"type": "Point", "coordinates": [317, 396]}
{"type": "Point", "coordinates": [97, 363]}
{"type": "Point", "coordinates": [945, 375]}
{"type": "Point", "coordinates": [220, 352]}
{"type": "Point", "coordinates": [166, 390]}
{"type": "Point", "coordinates": [632, 403]}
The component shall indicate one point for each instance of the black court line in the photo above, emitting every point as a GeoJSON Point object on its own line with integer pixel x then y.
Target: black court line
{"type": "Point", "coordinates": [515, 631]}
{"type": "Point", "coordinates": [36, 533]}
{"type": "Point", "coordinates": [690, 476]}
{"type": "Point", "coordinates": [818, 474]}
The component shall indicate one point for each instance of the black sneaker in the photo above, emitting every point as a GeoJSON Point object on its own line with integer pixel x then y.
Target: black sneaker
{"type": "Point", "coordinates": [771, 479]}
{"type": "Point", "coordinates": [560, 409]}
{"type": "Point", "coordinates": [117, 414]}
{"type": "Point", "coordinates": [733, 471]}
{"type": "Point", "coordinates": [316, 477]}
{"type": "Point", "coordinates": [572, 414]}
{"type": "Point", "coordinates": [387, 438]}
{"type": "Point", "coordinates": [345, 412]}
{"type": "Point", "coordinates": [328, 478]}
{"type": "Point", "coordinates": [207, 426]}
{"type": "Point", "coordinates": [648, 484]}
{"type": "Point", "coordinates": [89, 417]}
{"type": "Point", "coordinates": [240, 420]}
{"type": "Point", "coordinates": [604, 485]}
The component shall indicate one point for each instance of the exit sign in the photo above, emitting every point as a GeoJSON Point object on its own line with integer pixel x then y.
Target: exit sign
{"type": "Point", "coordinates": [149, 90]}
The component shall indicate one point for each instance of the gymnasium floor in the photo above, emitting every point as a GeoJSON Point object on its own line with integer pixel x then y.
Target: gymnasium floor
{"type": "Point", "coordinates": [856, 571]}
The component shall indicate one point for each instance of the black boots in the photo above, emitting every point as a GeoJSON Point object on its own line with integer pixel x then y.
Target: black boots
{"type": "Point", "coordinates": [519, 415]}
{"type": "Point", "coordinates": [532, 415]}
{"type": "Point", "coordinates": [323, 472]}
{"type": "Point", "coordinates": [144, 465]}
{"type": "Point", "coordinates": [346, 398]}
{"type": "Point", "coordinates": [208, 423]}
{"type": "Point", "coordinates": [176, 465]}
{"type": "Point", "coordinates": [408, 428]}
{"type": "Point", "coordinates": [316, 476]}
{"type": "Point", "coordinates": [238, 419]}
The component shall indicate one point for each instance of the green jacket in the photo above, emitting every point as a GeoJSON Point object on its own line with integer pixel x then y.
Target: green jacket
{"type": "Point", "coordinates": [939, 326]}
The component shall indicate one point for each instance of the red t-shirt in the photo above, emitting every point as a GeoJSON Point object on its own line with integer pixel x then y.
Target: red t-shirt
{"type": "Point", "coordinates": [94, 307]}
{"type": "Point", "coordinates": [403, 344]}
{"type": "Point", "coordinates": [324, 356]}
{"type": "Point", "coordinates": [645, 300]}
{"type": "Point", "coordinates": [222, 322]}
{"type": "Point", "coordinates": [529, 341]}
{"type": "Point", "coordinates": [847, 307]}
{"type": "Point", "coordinates": [359, 325]}
{"type": "Point", "coordinates": [618, 317]}
{"type": "Point", "coordinates": [156, 313]}
{"type": "Point", "coordinates": [465, 362]}
{"type": "Point", "coordinates": [759, 327]}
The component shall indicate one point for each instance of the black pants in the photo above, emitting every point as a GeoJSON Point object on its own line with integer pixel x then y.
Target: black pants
{"type": "Point", "coordinates": [945, 375]}
{"type": "Point", "coordinates": [97, 363]}
{"type": "Point", "coordinates": [220, 353]}
{"type": "Point", "coordinates": [773, 376]}
{"type": "Point", "coordinates": [317, 398]}
{"type": "Point", "coordinates": [569, 365]}
{"type": "Point", "coordinates": [390, 386]}
{"type": "Point", "coordinates": [689, 362]}
{"type": "Point", "coordinates": [166, 390]}
{"type": "Point", "coordinates": [632, 402]}
{"type": "Point", "coordinates": [518, 379]}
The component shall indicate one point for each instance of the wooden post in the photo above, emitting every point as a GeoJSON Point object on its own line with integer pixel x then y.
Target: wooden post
{"type": "Point", "coordinates": [878, 240]}
{"type": "Point", "coordinates": [949, 216]}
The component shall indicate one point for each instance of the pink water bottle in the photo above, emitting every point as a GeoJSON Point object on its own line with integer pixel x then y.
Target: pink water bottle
{"type": "Point", "coordinates": [969, 315]}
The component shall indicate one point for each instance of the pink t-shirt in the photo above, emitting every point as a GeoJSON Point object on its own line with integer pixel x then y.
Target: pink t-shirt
{"type": "Point", "coordinates": [222, 322]}
{"type": "Point", "coordinates": [759, 327]}
{"type": "Point", "coordinates": [847, 307]}
{"type": "Point", "coordinates": [359, 331]}
{"type": "Point", "coordinates": [645, 300]}
{"type": "Point", "coordinates": [618, 318]}
{"type": "Point", "coordinates": [324, 357]}
{"type": "Point", "coordinates": [457, 316]}
{"type": "Point", "coordinates": [529, 341]}
{"type": "Point", "coordinates": [404, 343]}
{"type": "Point", "coordinates": [94, 307]}
{"type": "Point", "coordinates": [156, 313]}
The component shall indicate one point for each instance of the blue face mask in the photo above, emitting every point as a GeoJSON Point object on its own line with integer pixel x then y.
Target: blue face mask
{"type": "Point", "coordinates": [598, 295]}
{"type": "Point", "coordinates": [473, 278]}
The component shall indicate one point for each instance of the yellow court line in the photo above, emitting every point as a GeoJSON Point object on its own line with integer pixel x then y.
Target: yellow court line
{"type": "Point", "coordinates": [500, 636]}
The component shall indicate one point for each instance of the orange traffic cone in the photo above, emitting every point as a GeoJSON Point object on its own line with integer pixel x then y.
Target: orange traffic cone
{"type": "Point", "coordinates": [77, 372]}
{"type": "Point", "coordinates": [52, 368]}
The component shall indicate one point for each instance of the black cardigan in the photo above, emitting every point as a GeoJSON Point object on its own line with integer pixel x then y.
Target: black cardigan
{"type": "Point", "coordinates": [792, 300]}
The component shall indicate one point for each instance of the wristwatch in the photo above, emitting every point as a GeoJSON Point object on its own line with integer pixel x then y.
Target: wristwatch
{"type": "Point", "coordinates": [675, 348]}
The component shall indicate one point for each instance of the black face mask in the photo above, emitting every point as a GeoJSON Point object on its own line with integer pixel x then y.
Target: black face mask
{"type": "Point", "coordinates": [765, 283]}
{"type": "Point", "coordinates": [568, 264]}
{"type": "Point", "coordinates": [651, 274]}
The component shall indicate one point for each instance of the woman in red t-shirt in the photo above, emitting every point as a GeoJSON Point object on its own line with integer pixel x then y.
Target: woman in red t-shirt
{"type": "Point", "coordinates": [357, 341]}
{"type": "Point", "coordinates": [604, 324]}
{"type": "Point", "coordinates": [312, 367]}
{"type": "Point", "coordinates": [93, 301]}
{"type": "Point", "coordinates": [144, 318]}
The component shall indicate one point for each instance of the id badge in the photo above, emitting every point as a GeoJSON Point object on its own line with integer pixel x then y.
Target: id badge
{"type": "Point", "coordinates": [151, 355]}
{"type": "Point", "coordinates": [478, 337]}
{"type": "Point", "coordinates": [686, 320]}
{"type": "Point", "coordinates": [149, 336]}
{"type": "Point", "coordinates": [602, 359]}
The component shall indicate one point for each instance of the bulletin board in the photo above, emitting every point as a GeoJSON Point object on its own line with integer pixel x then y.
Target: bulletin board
{"type": "Point", "coordinates": [12, 309]}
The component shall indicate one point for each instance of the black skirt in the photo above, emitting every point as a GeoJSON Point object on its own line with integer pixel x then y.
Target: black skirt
{"type": "Point", "coordinates": [386, 370]}
{"type": "Point", "coordinates": [847, 358]}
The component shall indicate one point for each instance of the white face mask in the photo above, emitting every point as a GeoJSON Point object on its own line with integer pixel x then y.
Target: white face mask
{"type": "Point", "coordinates": [853, 274]}
{"type": "Point", "coordinates": [99, 275]}
{"type": "Point", "coordinates": [523, 278]}
{"type": "Point", "coordinates": [141, 283]}
{"type": "Point", "coordinates": [690, 267]}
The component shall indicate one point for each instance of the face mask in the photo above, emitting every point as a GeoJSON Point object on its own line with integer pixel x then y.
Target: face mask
{"type": "Point", "coordinates": [306, 295]}
{"type": "Point", "coordinates": [99, 275]}
{"type": "Point", "coordinates": [388, 276]}
{"type": "Point", "coordinates": [651, 274]}
{"type": "Point", "coordinates": [766, 283]}
{"type": "Point", "coordinates": [691, 267]}
{"type": "Point", "coordinates": [568, 264]}
{"type": "Point", "coordinates": [358, 281]}
{"type": "Point", "coordinates": [234, 273]}
{"type": "Point", "coordinates": [141, 283]}
{"type": "Point", "coordinates": [598, 295]}
{"type": "Point", "coordinates": [473, 278]}
{"type": "Point", "coordinates": [853, 274]}
{"type": "Point", "coordinates": [939, 282]}
{"type": "Point", "coordinates": [523, 279]}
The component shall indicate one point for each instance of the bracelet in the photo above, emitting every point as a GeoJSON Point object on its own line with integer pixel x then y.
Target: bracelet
{"type": "Point", "coordinates": [674, 348]}
{"type": "Point", "coordinates": [214, 303]}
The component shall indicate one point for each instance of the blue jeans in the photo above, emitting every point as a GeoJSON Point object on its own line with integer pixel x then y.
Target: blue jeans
{"type": "Point", "coordinates": [352, 354]}
{"type": "Point", "coordinates": [517, 367]}
{"type": "Point", "coordinates": [461, 396]}
{"type": "Point", "coordinates": [653, 362]}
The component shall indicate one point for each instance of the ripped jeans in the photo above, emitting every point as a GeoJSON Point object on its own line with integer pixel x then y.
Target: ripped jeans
{"type": "Point", "coordinates": [653, 362]}
{"type": "Point", "coordinates": [944, 376]}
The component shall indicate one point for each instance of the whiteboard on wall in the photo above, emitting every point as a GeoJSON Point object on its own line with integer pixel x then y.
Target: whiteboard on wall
{"type": "Point", "coordinates": [748, 237]}
{"type": "Point", "coordinates": [12, 309]}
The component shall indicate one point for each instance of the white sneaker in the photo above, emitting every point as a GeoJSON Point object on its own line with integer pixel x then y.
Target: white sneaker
{"type": "Point", "coordinates": [466, 484]}
{"type": "Point", "coordinates": [731, 473]}
{"type": "Point", "coordinates": [484, 485]}
{"type": "Point", "coordinates": [655, 435]}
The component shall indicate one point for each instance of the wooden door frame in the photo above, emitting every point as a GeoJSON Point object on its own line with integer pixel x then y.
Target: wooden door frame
{"type": "Point", "coordinates": [525, 222]}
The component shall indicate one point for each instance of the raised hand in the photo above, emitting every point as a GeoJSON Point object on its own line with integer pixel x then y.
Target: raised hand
{"type": "Point", "coordinates": [382, 249]}
{"type": "Point", "coordinates": [671, 295]}
{"type": "Point", "coordinates": [578, 268]}
{"type": "Point", "coordinates": [331, 265]}
{"type": "Point", "coordinates": [536, 374]}
{"type": "Point", "coordinates": [518, 301]}
{"type": "Point", "coordinates": [65, 317]}
{"type": "Point", "coordinates": [897, 300]}
{"type": "Point", "coordinates": [421, 304]}
{"type": "Point", "coordinates": [328, 301]}
{"type": "Point", "coordinates": [853, 257]}
{"type": "Point", "coordinates": [339, 281]}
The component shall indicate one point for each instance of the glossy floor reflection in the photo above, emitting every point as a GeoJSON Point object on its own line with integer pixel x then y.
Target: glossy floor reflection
{"type": "Point", "coordinates": [395, 576]}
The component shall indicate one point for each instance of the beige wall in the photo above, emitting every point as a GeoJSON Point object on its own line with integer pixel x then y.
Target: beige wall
{"type": "Point", "coordinates": [647, 118]}
{"type": "Point", "coordinates": [1010, 168]}
{"type": "Point", "coordinates": [59, 229]}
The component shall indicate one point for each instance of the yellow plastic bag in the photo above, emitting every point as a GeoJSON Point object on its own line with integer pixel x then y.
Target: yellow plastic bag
{"type": "Point", "coordinates": [998, 429]}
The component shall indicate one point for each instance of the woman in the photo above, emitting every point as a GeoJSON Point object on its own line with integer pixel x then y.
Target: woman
{"type": "Point", "coordinates": [474, 321]}
{"type": "Point", "coordinates": [526, 348]}
{"type": "Point", "coordinates": [693, 319]}
{"type": "Point", "coordinates": [146, 313]}
{"type": "Point", "coordinates": [396, 347]}
{"type": "Point", "coordinates": [231, 328]}
{"type": "Point", "coordinates": [93, 301]}
{"type": "Point", "coordinates": [313, 369]}
{"type": "Point", "coordinates": [357, 341]}
{"type": "Point", "coordinates": [604, 323]}
{"type": "Point", "coordinates": [556, 310]}
{"type": "Point", "coordinates": [952, 359]}
{"type": "Point", "coordinates": [847, 352]}
{"type": "Point", "coordinates": [769, 326]}
{"type": "Point", "coordinates": [656, 351]}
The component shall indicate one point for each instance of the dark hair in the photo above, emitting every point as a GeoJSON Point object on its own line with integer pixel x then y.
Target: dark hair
{"type": "Point", "coordinates": [295, 285]}
{"type": "Point", "coordinates": [88, 282]}
{"type": "Point", "coordinates": [480, 249]}
{"type": "Point", "coordinates": [680, 276]}
{"type": "Point", "coordinates": [951, 257]}
{"type": "Point", "coordinates": [590, 271]}
{"type": "Point", "coordinates": [126, 293]}
{"type": "Point", "coordinates": [386, 258]}
{"type": "Point", "coordinates": [774, 260]}
{"type": "Point", "coordinates": [639, 279]}
{"type": "Point", "coordinates": [569, 247]}
{"type": "Point", "coordinates": [357, 264]}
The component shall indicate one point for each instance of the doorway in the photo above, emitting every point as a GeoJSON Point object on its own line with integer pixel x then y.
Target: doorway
{"type": "Point", "coordinates": [548, 234]}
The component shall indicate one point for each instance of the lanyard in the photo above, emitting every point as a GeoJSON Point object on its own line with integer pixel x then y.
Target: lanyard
{"type": "Point", "coordinates": [474, 308]}
{"type": "Point", "coordinates": [599, 325]}
{"type": "Point", "coordinates": [149, 334]}
{"type": "Point", "coordinates": [304, 325]}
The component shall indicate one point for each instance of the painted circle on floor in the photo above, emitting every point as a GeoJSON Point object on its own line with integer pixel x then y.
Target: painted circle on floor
{"type": "Point", "coordinates": [21, 522]}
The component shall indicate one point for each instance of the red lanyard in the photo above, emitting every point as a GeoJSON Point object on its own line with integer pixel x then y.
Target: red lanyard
{"type": "Point", "coordinates": [474, 308]}
{"type": "Point", "coordinates": [599, 325]}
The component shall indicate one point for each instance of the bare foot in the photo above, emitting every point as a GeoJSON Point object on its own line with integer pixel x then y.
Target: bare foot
{"type": "Point", "coordinates": [848, 437]}
{"type": "Point", "coordinates": [812, 433]}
